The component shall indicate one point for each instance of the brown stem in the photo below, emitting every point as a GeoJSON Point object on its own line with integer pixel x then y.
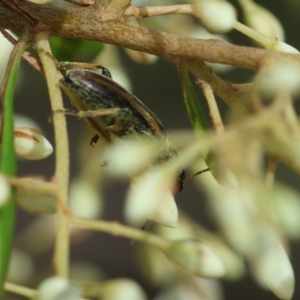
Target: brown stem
{"type": "Point", "coordinates": [87, 23]}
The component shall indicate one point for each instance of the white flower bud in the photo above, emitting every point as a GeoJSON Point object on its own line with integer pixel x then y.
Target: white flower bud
{"type": "Point", "coordinates": [240, 230]}
{"type": "Point", "coordinates": [272, 267]}
{"type": "Point", "coordinates": [193, 288]}
{"type": "Point", "coordinates": [281, 76]}
{"type": "Point", "coordinates": [215, 15]}
{"type": "Point", "coordinates": [31, 144]}
{"type": "Point", "coordinates": [122, 289]}
{"type": "Point", "coordinates": [150, 197]}
{"type": "Point", "coordinates": [284, 47]}
{"type": "Point", "coordinates": [4, 191]}
{"type": "Point", "coordinates": [85, 200]}
{"type": "Point", "coordinates": [21, 267]}
{"type": "Point", "coordinates": [261, 20]}
{"type": "Point", "coordinates": [129, 157]}
{"type": "Point", "coordinates": [57, 288]}
{"type": "Point", "coordinates": [155, 266]}
{"type": "Point", "coordinates": [196, 258]}
{"type": "Point", "coordinates": [286, 202]}
{"type": "Point", "coordinates": [166, 212]}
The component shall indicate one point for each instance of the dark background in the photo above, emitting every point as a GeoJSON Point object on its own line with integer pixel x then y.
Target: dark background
{"type": "Point", "coordinates": [158, 87]}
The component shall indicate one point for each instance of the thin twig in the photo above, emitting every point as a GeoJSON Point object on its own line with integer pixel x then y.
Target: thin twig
{"type": "Point", "coordinates": [22, 290]}
{"type": "Point", "coordinates": [61, 177]}
{"type": "Point", "coordinates": [264, 40]}
{"type": "Point", "coordinates": [222, 88]}
{"type": "Point", "coordinates": [213, 107]}
{"type": "Point", "coordinates": [26, 55]}
{"type": "Point", "coordinates": [151, 11]}
{"type": "Point", "coordinates": [19, 290]}
{"type": "Point", "coordinates": [31, 184]}
{"type": "Point", "coordinates": [117, 229]}
{"type": "Point", "coordinates": [242, 87]}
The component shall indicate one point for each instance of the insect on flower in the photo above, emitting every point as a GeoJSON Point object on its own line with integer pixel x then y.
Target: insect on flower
{"type": "Point", "coordinates": [90, 92]}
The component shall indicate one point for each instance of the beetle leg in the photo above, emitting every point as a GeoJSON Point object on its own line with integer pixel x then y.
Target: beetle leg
{"type": "Point", "coordinates": [121, 121]}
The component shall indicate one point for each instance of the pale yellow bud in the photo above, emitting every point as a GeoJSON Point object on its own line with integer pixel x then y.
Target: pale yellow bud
{"type": "Point", "coordinates": [261, 20]}
{"type": "Point", "coordinates": [215, 15]}
{"type": "Point", "coordinates": [21, 267]}
{"type": "Point", "coordinates": [271, 265]}
{"type": "Point", "coordinates": [85, 200]}
{"type": "Point", "coordinates": [31, 144]}
{"type": "Point", "coordinates": [57, 288]}
{"type": "Point", "coordinates": [122, 289]}
{"type": "Point", "coordinates": [196, 258]}
{"type": "Point", "coordinates": [280, 76]}
{"type": "Point", "coordinates": [150, 197]}
{"type": "Point", "coordinates": [284, 47]}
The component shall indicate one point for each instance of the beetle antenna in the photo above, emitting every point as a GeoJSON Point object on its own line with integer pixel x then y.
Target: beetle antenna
{"type": "Point", "coordinates": [198, 173]}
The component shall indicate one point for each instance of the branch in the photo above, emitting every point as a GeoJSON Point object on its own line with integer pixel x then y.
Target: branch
{"type": "Point", "coordinates": [87, 23]}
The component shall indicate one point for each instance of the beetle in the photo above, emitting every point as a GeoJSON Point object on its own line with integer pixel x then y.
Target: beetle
{"type": "Point", "coordinates": [91, 91]}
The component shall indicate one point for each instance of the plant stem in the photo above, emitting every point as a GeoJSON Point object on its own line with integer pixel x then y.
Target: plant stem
{"type": "Point", "coordinates": [61, 177]}
{"type": "Point", "coordinates": [87, 23]}
{"type": "Point", "coordinates": [117, 229]}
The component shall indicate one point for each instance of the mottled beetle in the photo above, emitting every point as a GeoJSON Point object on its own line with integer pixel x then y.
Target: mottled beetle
{"type": "Point", "coordinates": [91, 91]}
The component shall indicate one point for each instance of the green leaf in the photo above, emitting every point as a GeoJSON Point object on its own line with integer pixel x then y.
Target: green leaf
{"type": "Point", "coordinates": [192, 104]}
{"type": "Point", "coordinates": [8, 159]}
{"type": "Point", "coordinates": [194, 109]}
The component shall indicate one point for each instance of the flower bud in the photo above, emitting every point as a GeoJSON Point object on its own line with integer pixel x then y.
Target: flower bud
{"type": "Point", "coordinates": [129, 157]}
{"type": "Point", "coordinates": [286, 202]}
{"type": "Point", "coordinates": [122, 289]}
{"type": "Point", "coordinates": [31, 144]}
{"type": "Point", "coordinates": [215, 15]}
{"type": "Point", "coordinates": [196, 258]}
{"type": "Point", "coordinates": [240, 230]}
{"type": "Point", "coordinates": [56, 288]}
{"type": "Point", "coordinates": [150, 197]}
{"type": "Point", "coordinates": [261, 20]}
{"type": "Point", "coordinates": [271, 265]}
{"type": "Point", "coordinates": [166, 212]}
{"type": "Point", "coordinates": [284, 47]}
{"type": "Point", "coordinates": [281, 76]}
{"type": "Point", "coordinates": [21, 267]}
{"type": "Point", "coordinates": [85, 200]}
